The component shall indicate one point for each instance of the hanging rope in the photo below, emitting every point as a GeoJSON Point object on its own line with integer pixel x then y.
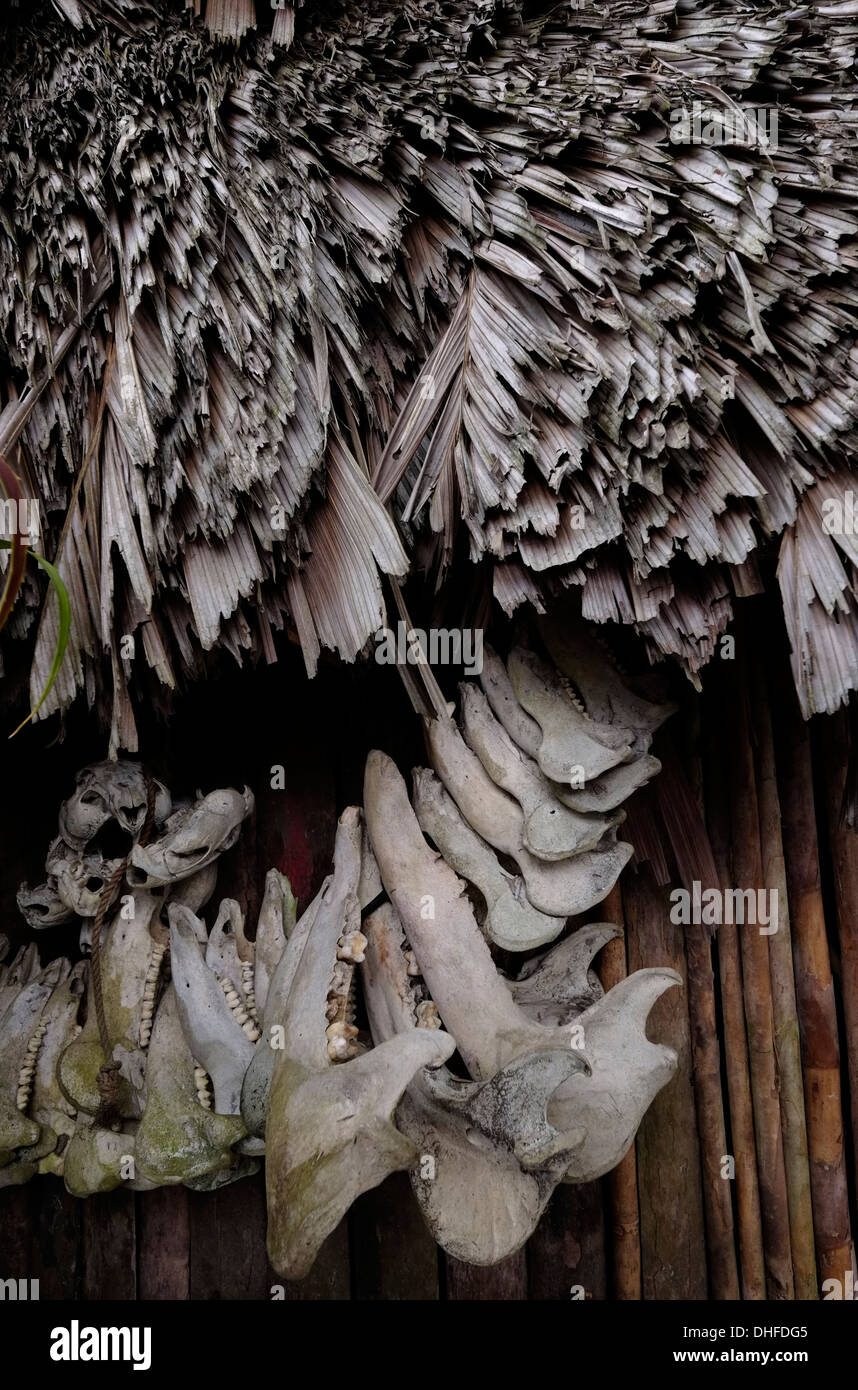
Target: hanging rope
{"type": "Point", "coordinates": [109, 1081]}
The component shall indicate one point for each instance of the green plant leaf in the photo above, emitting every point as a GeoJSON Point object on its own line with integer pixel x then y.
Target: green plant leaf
{"type": "Point", "coordinates": [61, 592]}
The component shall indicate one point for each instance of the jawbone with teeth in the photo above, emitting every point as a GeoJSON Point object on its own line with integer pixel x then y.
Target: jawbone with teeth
{"type": "Point", "coordinates": [127, 948]}
{"type": "Point", "coordinates": [601, 1103]}
{"type": "Point", "coordinates": [22, 1002]}
{"type": "Point", "coordinates": [491, 1177]}
{"type": "Point", "coordinates": [179, 1140]}
{"type": "Point", "coordinates": [329, 1133]}
{"type": "Point", "coordinates": [47, 1105]}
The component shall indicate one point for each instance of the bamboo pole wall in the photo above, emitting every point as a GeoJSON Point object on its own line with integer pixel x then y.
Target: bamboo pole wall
{"type": "Point", "coordinates": [742, 1181]}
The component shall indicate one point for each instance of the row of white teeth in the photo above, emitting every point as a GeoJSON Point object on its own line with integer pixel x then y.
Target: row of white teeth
{"type": "Point", "coordinates": [247, 987]}
{"type": "Point", "coordinates": [203, 1087]}
{"type": "Point", "coordinates": [339, 1009]}
{"type": "Point", "coordinates": [239, 1012]}
{"type": "Point", "coordinates": [426, 1012]}
{"type": "Point", "coordinates": [150, 989]}
{"type": "Point", "coordinates": [28, 1067]}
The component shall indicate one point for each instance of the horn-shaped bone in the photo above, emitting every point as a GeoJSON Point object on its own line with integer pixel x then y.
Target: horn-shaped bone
{"type": "Point", "coordinates": [329, 1134]}
{"type": "Point", "coordinates": [560, 888]}
{"type": "Point", "coordinates": [627, 1069]}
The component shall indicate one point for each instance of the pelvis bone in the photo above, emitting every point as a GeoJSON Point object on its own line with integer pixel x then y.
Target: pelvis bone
{"type": "Point", "coordinates": [329, 1133]}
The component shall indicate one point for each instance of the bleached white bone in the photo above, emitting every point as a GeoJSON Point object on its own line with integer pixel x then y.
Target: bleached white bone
{"type": "Point", "coordinates": [570, 741]}
{"type": "Point", "coordinates": [551, 830]}
{"type": "Point", "coordinates": [329, 1134]}
{"type": "Point", "coordinates": [561, 888]}
{"type": "Point", "coordinates": [511, 920]}
{"type": "Point", "coordinates": [213, 1036]}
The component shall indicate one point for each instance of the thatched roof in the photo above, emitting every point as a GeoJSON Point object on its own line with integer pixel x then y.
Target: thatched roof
{"type": "Point", "coordinates": [278, 318]}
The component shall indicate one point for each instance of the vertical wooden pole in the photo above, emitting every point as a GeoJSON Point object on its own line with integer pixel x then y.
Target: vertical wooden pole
{"type": "Point", "coordinates": [756, 974]}
{"type": "Point", "coordinates": [688, 836]}
{"type": "Point", "coordinates": [838, 752]}
{"type": "Point", "coordinates": [751, 1261]}
{"type": "Point", "coordinates": [815, 993]}
{"type": "Point", "coordinates": [673, 1243]}
{"type": "Point", "coordinates": [784, 1005]}
{"type": "Point", "coordinates": [622, 1183]}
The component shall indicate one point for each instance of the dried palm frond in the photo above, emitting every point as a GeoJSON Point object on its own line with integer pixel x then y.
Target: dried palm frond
{"type": "Point", "coordinates": [471, 249]}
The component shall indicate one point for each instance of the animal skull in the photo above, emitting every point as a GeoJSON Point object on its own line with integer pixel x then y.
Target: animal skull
{"type": "Point", "coordinates": [109, 791]}
{"type": "Point", "coordinates": [43, 907]}
{"type": "Point", "coordinates": [442, 1116]}
{"type": "Point", "coordinates": [193, 837]}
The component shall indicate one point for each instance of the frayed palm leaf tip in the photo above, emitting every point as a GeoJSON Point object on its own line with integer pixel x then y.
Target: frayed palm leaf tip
{"type": "Point", "coordinates": [583, 290]}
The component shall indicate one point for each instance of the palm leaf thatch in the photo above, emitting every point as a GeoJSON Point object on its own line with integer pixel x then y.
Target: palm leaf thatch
{"type": "Point", "coordinates": [285, 307]}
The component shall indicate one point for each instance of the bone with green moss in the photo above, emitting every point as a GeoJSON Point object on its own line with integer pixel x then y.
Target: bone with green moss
{"type": "Point", "coordinates": [329, 1131]}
